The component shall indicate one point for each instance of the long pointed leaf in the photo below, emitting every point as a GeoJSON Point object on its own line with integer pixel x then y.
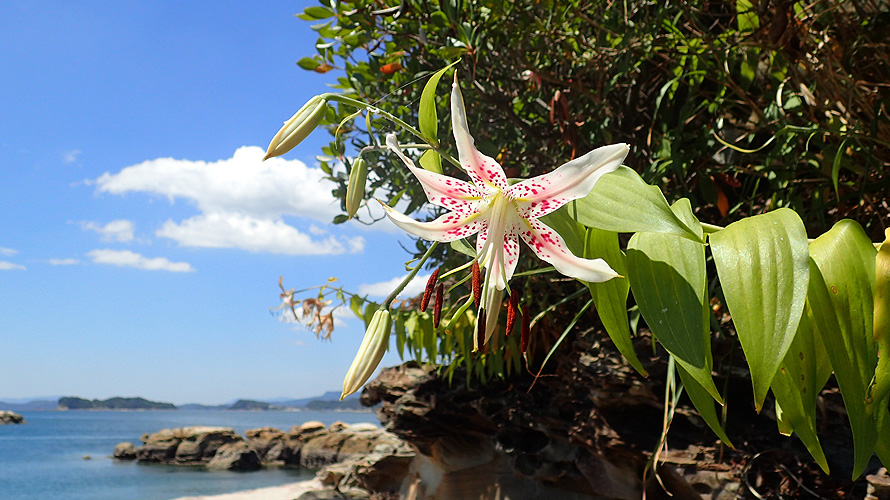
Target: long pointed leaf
{"type": "Point", "coordinates": [427, 118]}
{"type": "Point", "coordinates": [879, 389]}
{"type": "Point", "coordinates": [843, 305]}
{"type": "Point", "coordinates": [667, 276]}
{"type": "Point", "coordinates": [796, 385]}
{"type": "Point", "coordinates": [610, 297]}
{"type": "Point", "coordinates": [623, 203]}
{"type": "Point", "coordinates": [704, 403]}
{"type": "Point", "coordinates": [763, 264]}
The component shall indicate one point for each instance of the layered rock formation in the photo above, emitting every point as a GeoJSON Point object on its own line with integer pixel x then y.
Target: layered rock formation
{"type": "Point", "coordinates": [311, 445]}
{"type": "Point", "coordinates": [8, 417]}
{"type": "Point", "coordinates": [587, 428]}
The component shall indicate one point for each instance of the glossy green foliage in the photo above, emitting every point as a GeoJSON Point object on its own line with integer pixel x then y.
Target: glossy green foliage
{"type": "Point", "coordinates": [552, 80]}
{"type": "Point", "coordinates": [610, 297]}
{"type": "Point", "coordinates": [842, 301]}
{"type": "Point", "coordinates": [622, 202]}
{"type": "Point", "coordinates": [668, 279]}
{"type": "Point", "coordinates": [801, 375]}
{"type": "Point", "coordinates": [763, 264]}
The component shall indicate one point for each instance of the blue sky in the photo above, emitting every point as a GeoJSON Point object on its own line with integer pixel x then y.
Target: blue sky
{"type": "Point", "coordinates": [141, 239]}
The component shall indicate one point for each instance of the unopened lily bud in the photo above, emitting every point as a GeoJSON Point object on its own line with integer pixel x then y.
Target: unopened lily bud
{"type": "Point", "coordinates": [298, 127]}
{"type": "Point", "coordinates": [355, 190]}
{"type": "Point", "coordinates": [369, 353]}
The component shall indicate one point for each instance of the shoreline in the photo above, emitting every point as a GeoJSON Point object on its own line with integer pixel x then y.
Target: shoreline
{"type": "Point", "coordinates": [288, 491]}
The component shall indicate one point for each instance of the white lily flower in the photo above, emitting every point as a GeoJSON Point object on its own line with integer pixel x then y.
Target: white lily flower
{"type": "Point", "coordinates": [500, 213]}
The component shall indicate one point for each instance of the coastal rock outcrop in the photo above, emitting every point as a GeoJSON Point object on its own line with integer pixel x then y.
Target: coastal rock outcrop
{"type": "Point", "coordinates": [185, 445]}
{"type": "Point", "coordinates": [124, 451]}
{"type": "Point", "coordinates": [8, 417]}
{"type": "Point", "coordinates": [311, 445]}
{"type": "Point", "coordinates": [236, 455]}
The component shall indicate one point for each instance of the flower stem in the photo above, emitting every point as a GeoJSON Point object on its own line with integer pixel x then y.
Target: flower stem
{"type": "Point", "coordinates": [387, 303]}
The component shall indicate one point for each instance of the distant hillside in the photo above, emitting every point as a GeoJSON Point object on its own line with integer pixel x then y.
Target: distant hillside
{"type": "Point", "coordinates": [246, 404]}
{"type": "Point", "coordinates": [346, 404]}
{"type": "Point", "coordinates": [330, 396]}
{"type": "Point", "coordinates": [39, 404]}
{"type": "Point", "coordinates": [72, 403]}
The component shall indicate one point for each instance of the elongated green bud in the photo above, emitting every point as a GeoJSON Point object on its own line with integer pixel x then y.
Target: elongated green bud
{"type": "Point", "coordinates": [355, 190]}
{"type": "Point", "coordinates": [298, 127]}
{"type": "Point", "coordinates": [369, 353]}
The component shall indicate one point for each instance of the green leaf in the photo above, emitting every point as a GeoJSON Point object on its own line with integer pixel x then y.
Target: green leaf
{"type": "Point", "coordinates": [623, 203]}
{"type": "Point", "coordinates": [842, 303]}
{"type": "Point", "coordinates": [796, 386]}
{"type": "Point", "coordinates": [610, 297]}
{"type": "Point", "coordinates": [463, 247]}
{"type": "Point", "coordinates": [308, 63]}
{"type": "Point", "coordinates": [430, 160]}
{"type": "Point", "coordinates": [836, 166]}
{"type": "Point", "coordinates": [746, 15]}
{"type": "Point", "coordinates": [355, 305]}
{"type": "Point", "coordinates": [427, 119]}
{"type": "Point", "coordinates": [667, 276]}
{"type": "Point", "coordinates": [763, 264]}
{"type": "Point", "coordinates": [879, 389]}
{"type": "Point", "coordinates": [315, 13]}
{"type": "Point", "coordinates": [703, 402]}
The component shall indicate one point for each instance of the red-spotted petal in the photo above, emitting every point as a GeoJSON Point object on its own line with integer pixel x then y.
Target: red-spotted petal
{"type": "Point", "coordinates": [503, 266]}
{"type": "Point", "coordinates": [541, 195]}
{"type": "Point", "coordinates": [449, 227]}
{"type": "Point", "coordinates": [483, 170]}
{"type": "Point", "coordinates": [549, 246]}
{"type": "Point", "coordinates": [442, 190]}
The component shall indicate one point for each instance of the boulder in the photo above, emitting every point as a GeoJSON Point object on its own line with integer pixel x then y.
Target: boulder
{"type": "Point", "coordinates": [124, 451]}
{"type": "Point", "coordinates": [296, 437]}
{"type": "Point", "coordinates": [268, 443]}
{"type": "Point", "coordinates": [186, 445]}
{"type": "Point", "coordinates": [322, 450]}
{"type": "Point", "coordinates": [235, 456]}
{"type": "Point", "coordinates": [8, 417]}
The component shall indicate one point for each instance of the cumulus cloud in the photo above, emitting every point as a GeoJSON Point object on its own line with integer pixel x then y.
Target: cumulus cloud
{"type": "Point", "coordinates": [116, 230]}
{"type": "Point", "coordinates": [64, 262]}
{"type": "Point", "coordinates": [242, 201]}
{"type": "Point", "coordinates": [126, 258]}
{"type": "Point", "coordinates": [10, 266]}
{"type": "Point", "coordinates": [384, 288]}
{"type": "Point", "coordinates": [233, 230]}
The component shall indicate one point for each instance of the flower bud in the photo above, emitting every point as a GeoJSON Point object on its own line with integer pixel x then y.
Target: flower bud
{"type": "Point", "coordinates": [355, 190]}
{"type": "Point", "coordinates": [298, 127]}
{"type": "Point", "coordinates": [369, 353]}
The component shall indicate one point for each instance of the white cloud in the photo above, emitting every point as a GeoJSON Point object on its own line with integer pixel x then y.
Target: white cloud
{"type": "Point", "coordinates": [126, 258]}
{"type": "Point", "coordinates": [70, 157]}
{"type": "Point", "coordinates": [384, 288]}
{"type": "Point", "coordinates": [242, 201]}
{"type": "Point", "coordinates": [233, 230]}
{"type": "Point", "coordinates": [64, 262]}
{"type": "Point", "coordinates": [9, 266]}
{"type": "Point", "coordinates": [8, 251]}
{"type": "Point", "coordinates": [116, 230]}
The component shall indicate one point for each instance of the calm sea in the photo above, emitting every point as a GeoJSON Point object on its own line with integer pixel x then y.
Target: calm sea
{"type": "Point", "coordinates": [44, 459]}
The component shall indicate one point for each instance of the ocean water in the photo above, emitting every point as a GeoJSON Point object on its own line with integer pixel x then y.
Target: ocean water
{"type": "Point", "coordinates": [44, 459]}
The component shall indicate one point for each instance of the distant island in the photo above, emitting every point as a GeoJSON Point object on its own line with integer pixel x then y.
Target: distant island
{"type": "Point", "coordinates": [71, 403]}
{"type": "Point", "coordinates": [329, 401]}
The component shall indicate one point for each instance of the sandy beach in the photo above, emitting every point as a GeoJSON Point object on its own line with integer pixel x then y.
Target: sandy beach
{"type": "Point", "coordinates": [284, 492]}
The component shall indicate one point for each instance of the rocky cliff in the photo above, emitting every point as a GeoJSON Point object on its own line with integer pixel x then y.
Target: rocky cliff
{"type": "Point", "coordinates": [588, 427]}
